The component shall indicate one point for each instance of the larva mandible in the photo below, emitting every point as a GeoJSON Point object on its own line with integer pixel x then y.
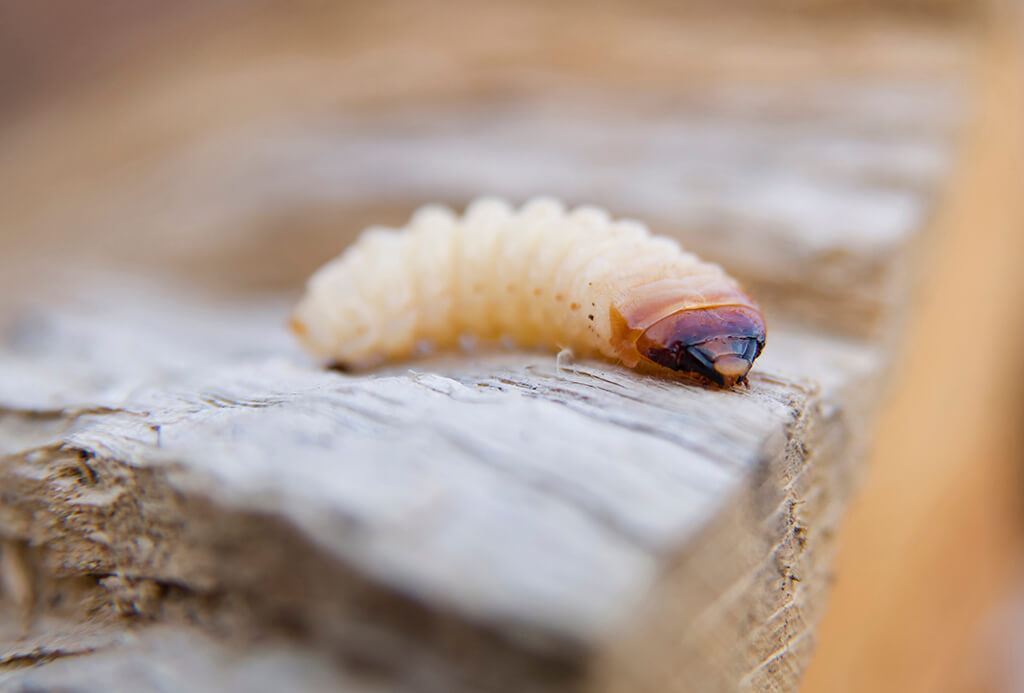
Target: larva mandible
{"type": "Point", "coordinates": [540, 275]}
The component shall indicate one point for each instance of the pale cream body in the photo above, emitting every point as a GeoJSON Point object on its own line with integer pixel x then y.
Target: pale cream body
{"type": "Point", "coordinates": [539, 275]}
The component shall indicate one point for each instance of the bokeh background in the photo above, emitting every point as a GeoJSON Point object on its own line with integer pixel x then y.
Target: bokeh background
{"type": "Point", "coordinates": [235, 146]}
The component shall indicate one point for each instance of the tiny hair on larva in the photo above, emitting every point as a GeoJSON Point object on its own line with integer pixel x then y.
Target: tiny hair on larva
{"type": "Point", "coordinates": [541, 276]}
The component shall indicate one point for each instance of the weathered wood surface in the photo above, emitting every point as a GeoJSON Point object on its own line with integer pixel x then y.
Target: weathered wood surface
{"type": "Point", "coordinates": [473, 521]}
{"type": "Point", "coordinates": [499, 491]}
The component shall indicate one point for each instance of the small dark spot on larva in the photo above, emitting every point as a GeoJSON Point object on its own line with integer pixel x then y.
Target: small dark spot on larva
{"type": "Point", "coordinates": [477, 288]}
{"type": "Point", "coordinates": [538, 292]}
{"type": "Point", "coordinates": [591, 316]}
{"type": "Point", "coordinates": [510, 288]}
{"type": "Point", "coordinates": [559, 297]}
{"type": "Point", "coordinates": [574, 306]}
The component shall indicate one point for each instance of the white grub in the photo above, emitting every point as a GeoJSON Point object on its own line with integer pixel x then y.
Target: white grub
{"type": "Point", "coordinates": [540, 275]}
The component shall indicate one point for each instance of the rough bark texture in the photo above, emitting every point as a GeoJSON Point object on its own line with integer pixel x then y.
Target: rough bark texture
{"type": "Point", "coordinates": [189, 503]}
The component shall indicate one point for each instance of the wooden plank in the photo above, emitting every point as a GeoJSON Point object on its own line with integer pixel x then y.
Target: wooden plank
{"type": "Point", "coordinates": [499, 491]}
{"type": "Point", "coordinates": [474, 521]}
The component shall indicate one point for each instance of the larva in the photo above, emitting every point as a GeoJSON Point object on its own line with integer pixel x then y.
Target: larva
{"type": "Point", "coordinates": [540, 275]}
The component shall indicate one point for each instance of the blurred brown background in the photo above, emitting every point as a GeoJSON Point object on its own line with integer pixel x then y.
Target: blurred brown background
{"type": "Point", "coordinates": [928, 582]}
{"type": "Point", "coordinates": [928, 589]}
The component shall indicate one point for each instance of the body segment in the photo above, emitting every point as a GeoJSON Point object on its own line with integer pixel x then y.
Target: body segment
{"type": "Point", "coordinates": [539, 275]}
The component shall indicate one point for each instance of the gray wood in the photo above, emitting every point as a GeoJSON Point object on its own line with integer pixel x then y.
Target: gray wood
{"type": "Point", "coordinates": [198, 449]}
{"type": "Point", "coordinates": [177, 659]}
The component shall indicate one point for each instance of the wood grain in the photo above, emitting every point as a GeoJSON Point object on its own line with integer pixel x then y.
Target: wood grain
{"type": "Point", "coordinates": [499, 491]}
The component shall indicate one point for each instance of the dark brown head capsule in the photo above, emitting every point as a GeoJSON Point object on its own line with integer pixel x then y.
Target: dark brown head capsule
{"type": "Point", "coordinates": [719, 343]}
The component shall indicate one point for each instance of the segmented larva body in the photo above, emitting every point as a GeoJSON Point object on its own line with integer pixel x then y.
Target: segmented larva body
{"type": "Point", "coordinates": [539, 275]}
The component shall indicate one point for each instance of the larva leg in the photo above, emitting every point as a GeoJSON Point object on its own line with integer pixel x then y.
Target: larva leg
{"type": "Point", "coordinates": [564, 359]}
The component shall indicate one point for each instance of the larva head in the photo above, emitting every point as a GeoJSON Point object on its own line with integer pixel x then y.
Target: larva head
{"type": "Point", "coordinates": [719, 343]}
